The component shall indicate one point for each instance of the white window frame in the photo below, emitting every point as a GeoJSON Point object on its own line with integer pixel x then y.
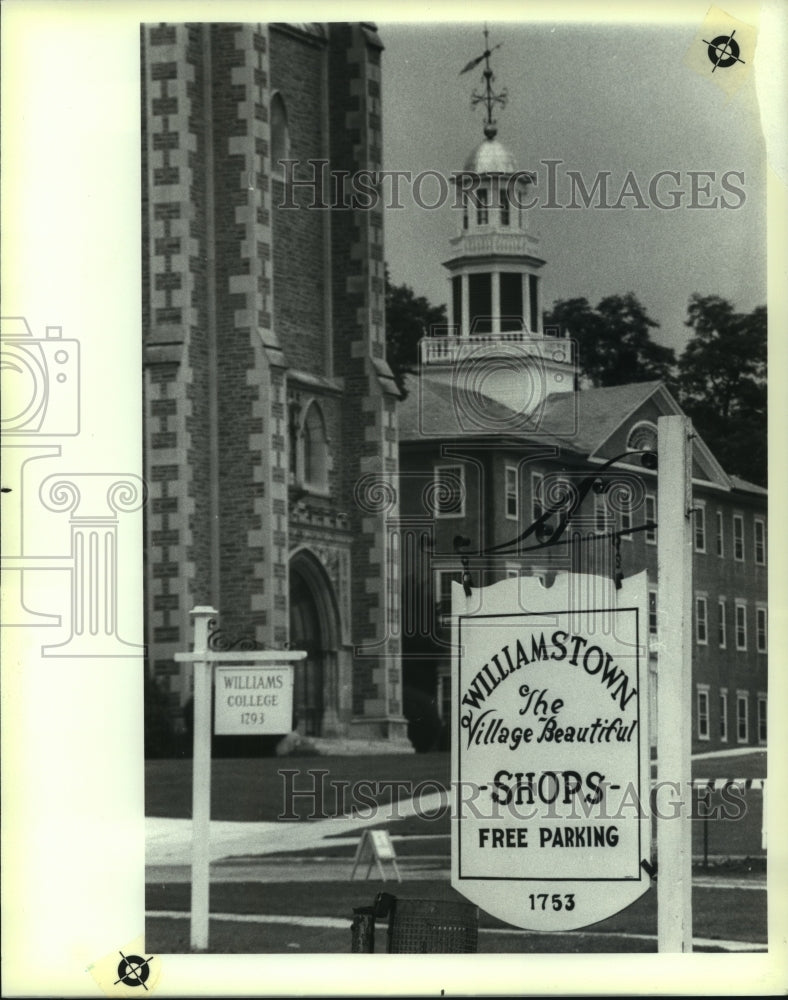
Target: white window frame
{"type": "Point", "coordinates": [510, 477]}
{"type": "Point", "coordinates": [720, 535]}
{"type": "Point", "coordinates": [738, 541]}
{"type": "Point", "coordinates": [740, 606]}
{"type": "Point", "coordinates": [436, 478]}
{"type": "Point", "coordinates": [652, 613]}
{"type": "Point", "coordinates": [702, 699]}
{"type": "Point", "coordinates": [651, 502]}
{"type": "Point", "coordinates": [600, 514]}
{"type": "Point", "coordinates": [762, 717]}
{"type": "Point", "coordinates": [743, 698]}
{"type": "Point", "coordinates": [701, 601]}
{"type": "Point", "coordinates": [626, 522]}
{"type": "Point", "coordinates": [760, 611]}
{"type": "Point", "coordinates": [722, 623]}
{"type": "Point", "coordinates": [699, 526]}
{"type": "Point", "coordinates": [759, 522]}
{"type": "Point", "coordinates": [723, 708]}
{"type": "Point", "coordinates": [537, 495]}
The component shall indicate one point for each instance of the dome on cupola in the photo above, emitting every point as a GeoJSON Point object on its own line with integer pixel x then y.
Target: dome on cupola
{"type": "Point", "coordinates": [491, 157]}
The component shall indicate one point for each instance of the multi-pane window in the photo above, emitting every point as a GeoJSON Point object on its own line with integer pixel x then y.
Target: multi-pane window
{"type": "Point", "coordinates": [626, 519]}
{"type": "Point", "coordinates": [652, 612]}
{"type": "Point", "coordinates": [723, 715]}
{"type": "Point", "coordinates": [701, 621]}
{"type": "Point", "coordinates": [761, 638]}
{"type": "Point", "coordinates": [703, 713]}
{"type": "Point", "coordinates": [738, 538]}
{"type": "Point", "coordinates": [722, 612]}
{"type": "Point", "coordinates": [512, 499]}
{"type": "Point", "coordinates": [600, 514]}
{"type": "Point", "coordinates": [719, 540]}
{"type": "Point", "coordinates": [742, 720]}
{"type": "Point", "coordinates": [651, 518]}
{"type": "Point", "coordinates": [762, 709]}
{"type": "Point", "coordinates": [537, 506]}
{"type": "Point", "coordinates": [741, 625]}
{"type": "Point", "coordinates": [700, 528]}
{"type": "Point", "coordinates": [443, 581]}
{"type": "Point", "coordinates": [760, 541]}
{"type": "Point", "coordinates": [449, 491]}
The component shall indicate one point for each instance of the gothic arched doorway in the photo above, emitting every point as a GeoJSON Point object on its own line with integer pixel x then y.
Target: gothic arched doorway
{"type": "Point", "coordinates": [313, 627]}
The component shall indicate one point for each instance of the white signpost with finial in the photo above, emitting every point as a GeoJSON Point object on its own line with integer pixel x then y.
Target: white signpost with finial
{"type": "Point", "coordinates": [269, 718]}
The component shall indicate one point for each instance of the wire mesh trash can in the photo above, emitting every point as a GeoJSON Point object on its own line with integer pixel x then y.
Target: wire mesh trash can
{"type": "Point", "coordinates": [428, 926]}
{"type": "Point", "coordinates": [417, 926]}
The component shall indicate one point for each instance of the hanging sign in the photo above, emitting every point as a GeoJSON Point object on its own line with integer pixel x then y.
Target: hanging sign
{"type": "Point", "coordinates": [253, 700]}
{"type": "Point", "coordinates": [550, 752]}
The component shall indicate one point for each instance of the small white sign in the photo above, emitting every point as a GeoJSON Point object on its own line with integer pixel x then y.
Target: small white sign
{"type": "Point", "coordinates": [254, 700]}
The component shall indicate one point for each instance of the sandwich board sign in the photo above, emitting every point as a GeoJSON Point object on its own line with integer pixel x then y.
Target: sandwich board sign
{"type": "Point", "coordinates": [550, 749]}
{"type": "Point", "coordinates": [376, 847]}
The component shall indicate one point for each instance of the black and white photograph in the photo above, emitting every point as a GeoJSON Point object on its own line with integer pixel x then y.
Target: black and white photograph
{"type": "Point", "coordinates": [391, 412]}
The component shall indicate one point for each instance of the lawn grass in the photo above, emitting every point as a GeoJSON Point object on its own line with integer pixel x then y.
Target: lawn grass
{"type": "Point", "coordinates": [253, 789]}
{"type": "Point", "coordinates": [171, 937]}
{"type": "Point", "coordinates": [725, 914]}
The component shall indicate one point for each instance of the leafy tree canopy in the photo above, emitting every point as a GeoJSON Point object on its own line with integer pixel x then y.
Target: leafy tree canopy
{"type": "Point", "coordinates": [409, 317]}
{"type": "Point", "coordinates": [614, 340]}
{"type": "Point", "coordinates": [722, 383]}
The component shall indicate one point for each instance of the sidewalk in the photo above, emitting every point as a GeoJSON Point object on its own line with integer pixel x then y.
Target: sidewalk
{"type": "Point", "coordinates": [168, 841]}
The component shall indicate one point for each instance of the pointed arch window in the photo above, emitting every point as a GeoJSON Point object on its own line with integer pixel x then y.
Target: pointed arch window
{"type": "Point", "coordinates": [280, 134]}
{"type": "Point", "coordinates": [314, 450]}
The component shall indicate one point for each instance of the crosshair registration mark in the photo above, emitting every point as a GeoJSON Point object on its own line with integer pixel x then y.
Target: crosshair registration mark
{"type": "Point", "coordinates": [724, 51]}
{"type": "Point", "coordinates": [133, 970]}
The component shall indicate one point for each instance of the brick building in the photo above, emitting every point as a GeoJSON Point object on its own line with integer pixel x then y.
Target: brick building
{"type": "Point", "coordinates": [268, 403]}
{"type": "Point", "coordinates": [495, 431]}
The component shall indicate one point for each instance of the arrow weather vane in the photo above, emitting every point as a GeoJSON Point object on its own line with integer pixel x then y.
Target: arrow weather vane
{"type": "Point", "coordinates": [489, 97]}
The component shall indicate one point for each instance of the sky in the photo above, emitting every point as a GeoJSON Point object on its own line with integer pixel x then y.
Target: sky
{"type": "Point", "coordinates": [596, 97]}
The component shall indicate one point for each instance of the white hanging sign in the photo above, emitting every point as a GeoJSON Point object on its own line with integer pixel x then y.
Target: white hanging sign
{"type": "Point", "coordinates": [550, 752]}
{"type": "Point", "coordinates": [253, 700]}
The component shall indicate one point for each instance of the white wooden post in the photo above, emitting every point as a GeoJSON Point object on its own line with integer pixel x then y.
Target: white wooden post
{"type": "Point", "coordinates": [201, 779]}
{"type": "Point", "coordinates": [674, 680]}
{"type": "Point", "coordinates": [204, 660]}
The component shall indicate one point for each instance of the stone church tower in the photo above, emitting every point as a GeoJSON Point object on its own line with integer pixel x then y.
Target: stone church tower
{"type": "Point", "coordinates": [270, 412]}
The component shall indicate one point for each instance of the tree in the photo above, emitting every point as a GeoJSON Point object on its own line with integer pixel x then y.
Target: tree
{"type": "Point", "coordinates": [614, 340]}
{"type": "Point", "coordinates": [408, 318]}
{"type": "Point", "coordinates": [722, 383]}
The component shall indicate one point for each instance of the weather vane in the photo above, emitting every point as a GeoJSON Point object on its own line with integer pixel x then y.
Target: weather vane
{"type": "Point", "coordinates": [489, 98]}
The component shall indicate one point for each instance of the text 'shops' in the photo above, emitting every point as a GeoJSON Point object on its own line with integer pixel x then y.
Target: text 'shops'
{"type": "Point", "coordinates": [496, 383]}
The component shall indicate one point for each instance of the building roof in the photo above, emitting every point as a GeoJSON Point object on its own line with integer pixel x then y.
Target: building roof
{"type": "Point", "coordinates": [491, 157]}
{"type": "Point", "coordinates": [748, 487]}
{"type": "Point", "coordinates": [436, 409]}
{"type": "Point", "coordinates": [593, 423]}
